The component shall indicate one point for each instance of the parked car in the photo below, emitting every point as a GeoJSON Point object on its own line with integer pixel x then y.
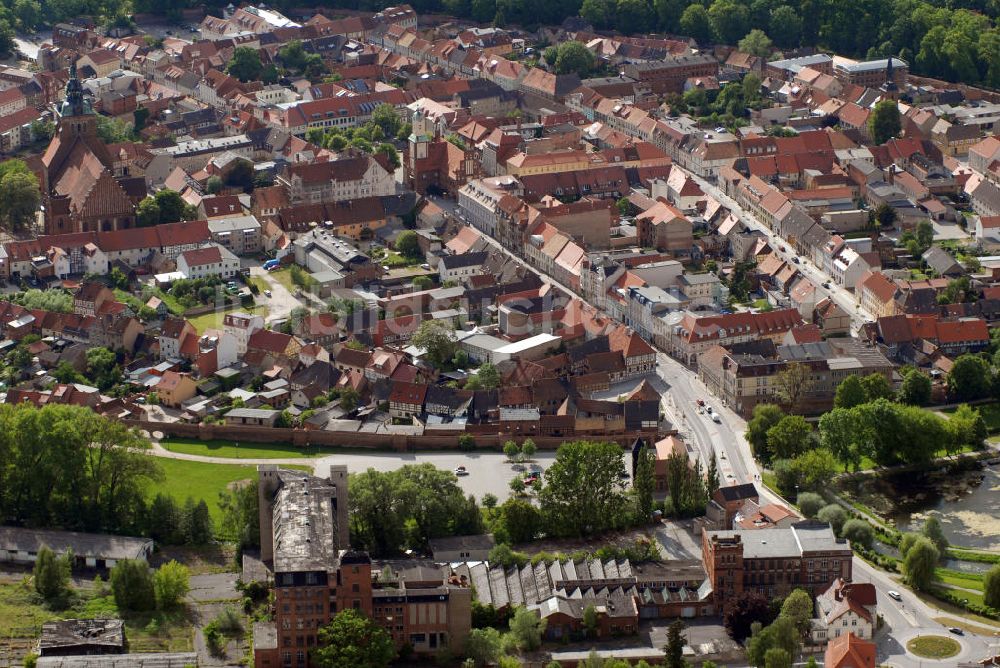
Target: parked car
{"type": "Point", "coordinates": [267, 293]}
{"type": "Point", "coordinates": [270, 264]}
{"type": "Point", "coordinates": [460, 471]}
{"type": "Point", "coordinates": [708, 409]}
{"type": "Point", "coordinates": [700, 402]}
{"type": "Point", "coordinates": [716, 419]}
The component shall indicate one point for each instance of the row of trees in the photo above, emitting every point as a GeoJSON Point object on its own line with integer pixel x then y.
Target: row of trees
{"type": "Point", "coordinates": [135, 587]}
{"type": "Point", "coordinates": [585, 491]}
{"type": "Point", "coordinates": [65, 466]}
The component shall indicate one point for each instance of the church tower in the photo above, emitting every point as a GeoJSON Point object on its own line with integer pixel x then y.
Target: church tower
{"type": "Point", "coordinates": [80, 191]}
{"type": "Point", "coordinates": [889, 90]}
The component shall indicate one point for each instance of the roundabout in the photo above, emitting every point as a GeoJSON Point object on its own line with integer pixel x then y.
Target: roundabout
{"type": "Point", "coordinates": [933, 647]}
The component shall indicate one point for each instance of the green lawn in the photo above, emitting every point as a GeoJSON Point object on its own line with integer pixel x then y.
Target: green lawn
{"type": "Point", "coordinates": [201, 481]}
{"type": "Point", "coordinates": [244, 451]}
{"type": "Point", "coordinates": [960, 578]}
{"type": "Point", "coordinates": [394, 259]}
{"type": "Point", "coordinates": [283, 276]}
{"type": "Point", "coordinates": [173, 305]}
{"type": "Point", "coordinates": [22, 615]}
{"type": "Point", "coordinates": [213, 319]}
{"type": "Point", "coordinates": [934, 647]}
{"type": "Point", "coordinates": [259, 282]}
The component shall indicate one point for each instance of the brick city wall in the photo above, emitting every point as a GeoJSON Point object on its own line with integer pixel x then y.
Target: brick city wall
{"type": "Point", "coordinates": [398, 442]}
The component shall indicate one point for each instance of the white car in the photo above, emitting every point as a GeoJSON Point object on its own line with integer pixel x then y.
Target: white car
{"type": "Point", "coordinates": [267, 293]}
{"type": "Point", "coordinates": [460, 471]}
{"type": "Point", "coordinates": [894, 595]}
{"type": "Point", "coordinates": [716, 419]}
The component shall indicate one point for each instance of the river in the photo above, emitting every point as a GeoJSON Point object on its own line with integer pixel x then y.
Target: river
{"type": "Point", "coordinates": [966, 501]}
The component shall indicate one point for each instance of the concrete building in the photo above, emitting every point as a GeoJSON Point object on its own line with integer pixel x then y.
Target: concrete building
{"type": "Point", "coordinates": [239, 235]}
{"type": "Point", "coordinates": [90, 550]}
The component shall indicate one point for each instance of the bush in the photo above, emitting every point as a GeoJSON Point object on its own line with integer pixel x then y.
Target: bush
{"type": "Point", "coordinates": [859, 532]}
{"type": "Point", "coordinates": [810, 503]}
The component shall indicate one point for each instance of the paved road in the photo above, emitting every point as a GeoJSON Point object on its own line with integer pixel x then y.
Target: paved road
{"type": "Point", "coordinates": [281, 302]}
{"type": "Point", "coordinates": [842, 297]}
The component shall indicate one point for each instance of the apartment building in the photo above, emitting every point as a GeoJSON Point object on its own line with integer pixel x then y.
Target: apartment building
{"type": "Point", "coordinates": [352, 176]}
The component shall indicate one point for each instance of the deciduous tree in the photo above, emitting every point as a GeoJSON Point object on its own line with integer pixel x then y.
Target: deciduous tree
{"type": "Point", "coordinates": [132, 586]}
{"type": "Point", "coordinates": [352, 640]}
{"type": "Point", "coordinates": [919, 564]}
{"type": "Point", "coordinates": [585, 489]}
{"type": "Point", "coordinates": [171, 583]}
{"type": "Point", "coordinates": [884, 122]}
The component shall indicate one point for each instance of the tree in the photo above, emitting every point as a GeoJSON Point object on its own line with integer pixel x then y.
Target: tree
{"type": "Point", "coordinates": [792, 384]}
{"type": "Point", "coordinates": [528, 449]}
{"type": "Point", "coordinates": [885, 215]}
{"type": "Point", "coordinates": [511, 450]}
{"type": "Point", "coordinates": [695, 23]}
{"type": "Point", "coordinates": [970, 378]}
{"type": "Point", "coordinates": [173, 208]}
{"type": "Point", "coordinates": [790, 437]}
{"type": "Point", "coordinates": [573, 57]}
{"type": "Point", "coordinates": [164, 524]}
{"type": "Point", "coordinates": [526, 629]}
{"type": "Point", "coordinates": [240, 510]}
{"type": "Point", "coordinates": [813, 469]}
{"type": "Point", "coordinates": [859, 532]}
{"type": "Point", "coordinates": [352, 640]}
{"type": "Point", "coordinates": [214, 185]}
{"type": "Point", "coordinates": [241, 175]}
{"type": "Point", "coordinates": [764, 417]}
{"type": "Point", "coordinates": [782, 634]}
{"type": "Point", "coordinates": [876, 386]}
{"type": "Point", "coordinates": [171, 583]}
{"type": "Point", "coordinates": [966, 428]}
{"type": "Point", "coordinates": [991, 587]}
{"type": "Point", "coordinates": [52, 575]}
{"type": "Point", "coordinates": [597, 12]}
{"type": "Point", "coordinates": [919, 564]}
{"type": "Point", "coordinates": [489, 376]}
{"type": "Point", "coordinates": [810, 503]}
{"type": "Point", "coordinates": [349, 398]}
{"type": "Point", "coordinates": [915, 389]}
{"type": "Point", "coordinates": [520, 519]}
{"type": "Point", "coordinates": [408, 245]}
{"type": "Point", "coordinates": [197, 522]}
{"type": "Point", "coordinates": [390, 152]}
{"type": "Point", "coordinates": [483, 646]}
{"type": "Point", "coordinates": [777, 658]}
{"type": "Point", "coordinates": [744, 610]}
{"type": "Point", "coordinates": [438, 339]}
{"type": "Point", "coordinates": [148, 212]}
{"type": "Point", "coordinates": [643, 485]}
{"type": "Point", "coordinates": [884, 122]}
{"type": "Point", "coordinates": [730, 20]}
{"type": "Point", "coordinates": [833, 515]}
{"type": "Point", "coordinates": [756, 43]}
{"type": "Point", "coordinates": [423, 496]}
{"type": "Point", "coordinates": [585, 489]}
{"type": "Point", "coordinates": [849, 393]}
{"type": "Point", "coordinates": [20, 195]}
{"type": "Point", "coordinates": [245, 64]}
{"type": "Point", "coordinates": [785, 27]}
{"type": "Point", "coordinates": [590, 619]}
{"type": "Point", "coordinates": [674, 649]}
{"type": "Point", "coordinates": [632, 16]}
{"type": "Point", "coordinates": [132, 586]}
{"type": "Point", "coordinates": [798, 606]}
{"type": "Point", "coordinates": [934, 533]}
{"type": "Point", "coordinates": [102, 367]}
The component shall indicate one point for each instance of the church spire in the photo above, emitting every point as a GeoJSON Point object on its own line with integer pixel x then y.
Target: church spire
{"type": "Point", "coordinates": [75, 104]}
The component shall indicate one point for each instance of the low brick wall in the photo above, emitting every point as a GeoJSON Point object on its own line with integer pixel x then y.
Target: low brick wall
{"type": "Point", "coordinates": [397, 442]}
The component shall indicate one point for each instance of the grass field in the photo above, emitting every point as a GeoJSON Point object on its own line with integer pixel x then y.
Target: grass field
{"type": "Point", "coordinates": [22, 614]}
{"type": "Point", "coordinates": [201, 481]}
{"type": "Point", "coordinates": [934, 647]}
{"type": "Point", "coordinates": [213, 320]}
{"type": "Point", "coordinates": [230, 450]}
{"type": "Point", "coordinates": [283, 276]}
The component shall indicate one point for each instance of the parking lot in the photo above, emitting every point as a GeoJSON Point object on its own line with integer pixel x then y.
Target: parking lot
{"type": "Point", "coordinates": [488, 472]}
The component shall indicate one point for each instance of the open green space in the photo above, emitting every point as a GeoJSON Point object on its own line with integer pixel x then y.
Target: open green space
{"type": "Point", "coordinates": [231, 450]}
{"type": "Point", "coordinates": [283, 276]}
{"type": "Point", "coordinates": [933, 647]}
{"type": "Point", "coordinates": [259, 282]}
{"type": "Point", "coordinates": [394, 259]}
{"type": "Point", "coordinates": [22, 614]}
{"type": "Point", "coordinates": [213, 319]}
{"type": "Point", "coordinates": [198, 480]}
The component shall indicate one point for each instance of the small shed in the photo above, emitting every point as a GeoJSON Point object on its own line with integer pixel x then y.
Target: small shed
{"type": "Point", "coordinates": [462, 548]}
